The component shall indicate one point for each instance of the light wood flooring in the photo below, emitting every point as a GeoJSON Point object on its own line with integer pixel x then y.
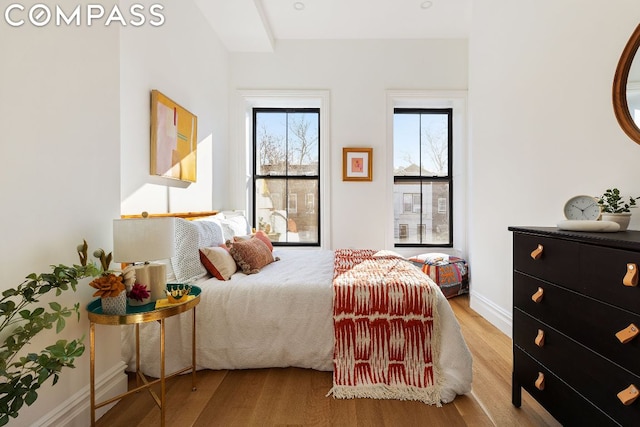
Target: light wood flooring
{"type": "Point", "coordinates": [296, 397]}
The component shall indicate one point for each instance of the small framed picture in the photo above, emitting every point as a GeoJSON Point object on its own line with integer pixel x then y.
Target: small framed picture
{"type": "Point", "coordinates": [357, 164]}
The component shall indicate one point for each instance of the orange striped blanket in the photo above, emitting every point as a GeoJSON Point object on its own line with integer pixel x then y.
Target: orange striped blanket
{"type": "Point", "coordinates": [386, 328]}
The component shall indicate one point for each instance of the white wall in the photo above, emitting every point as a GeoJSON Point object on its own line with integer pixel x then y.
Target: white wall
{"type": "Point", "coordinates": [74, 109]}
{"type": "Point", "coordinates": [357, 74]}
{"type": "Point", "coordinates": [60, 174]}
{"type": "Point", "coordinates": [542, 127]}
{"type": "Point", "coordinates": [185, 61]}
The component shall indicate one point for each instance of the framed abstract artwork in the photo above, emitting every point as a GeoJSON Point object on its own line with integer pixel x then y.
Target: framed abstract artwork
{"type": "Point", "coordinates": [174, 139]}
{"type": "Point", "coordinates": [357, 164]}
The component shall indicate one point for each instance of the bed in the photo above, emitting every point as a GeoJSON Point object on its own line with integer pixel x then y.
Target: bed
{"type": "Point", "coordinates": [281, 316]}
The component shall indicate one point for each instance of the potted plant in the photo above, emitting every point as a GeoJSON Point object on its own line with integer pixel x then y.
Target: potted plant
{"type": "Point", "coordinates": [21, 375]}
{"type": "Point", "coordinates": [22, 317]}
{"type": "Point", "coordinates": [111, 287]}
{"type": "Point", "coordinates": [615, 208]}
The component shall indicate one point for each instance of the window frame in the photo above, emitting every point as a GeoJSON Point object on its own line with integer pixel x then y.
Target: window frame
{"type": "Point", "coordinates": [317, 178]}
{"type": "Point", "coordinates": [429, 179]}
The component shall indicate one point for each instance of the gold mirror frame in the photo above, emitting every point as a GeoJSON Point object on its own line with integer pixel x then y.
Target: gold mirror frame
{"type": "Point", "coordinates": [620, 104]}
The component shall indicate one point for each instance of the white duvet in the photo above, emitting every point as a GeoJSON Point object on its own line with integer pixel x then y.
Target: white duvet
{"type": "Point", "coordinates": [280, 317]}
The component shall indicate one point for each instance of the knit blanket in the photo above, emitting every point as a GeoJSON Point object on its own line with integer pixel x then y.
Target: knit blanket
{"type": "Point", "coordinates": [387, 341]}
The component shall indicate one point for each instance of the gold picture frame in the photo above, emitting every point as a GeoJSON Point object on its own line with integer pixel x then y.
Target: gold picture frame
{"type": "Point", "coordinates": [357, 164]}
{"type": "Point", "coordinates": [174, 139]}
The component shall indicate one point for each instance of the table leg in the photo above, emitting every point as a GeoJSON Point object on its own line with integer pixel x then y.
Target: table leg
{"type": "Point", "coordinates": [137, 326]}
{"type": "Point", "coordinates": [162, 379]}
{"type": "Point", "coordinates": [92, 370]}
{"type": "Point", "coordinates": [193, 352]}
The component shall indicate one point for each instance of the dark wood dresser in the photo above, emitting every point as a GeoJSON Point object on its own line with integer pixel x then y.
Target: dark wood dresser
{"type": "Point", "coordinates": [576, 313]}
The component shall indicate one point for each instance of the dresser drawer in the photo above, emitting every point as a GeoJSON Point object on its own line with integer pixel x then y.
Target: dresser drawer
{"type": "Point", "coordinates": [557, 263]}
{"type": "Point", "coordinates": [602, 271]}
{"type": "Point", "coordinates": [581, 303]}
{"type": "Point", "coordinates": [563, 402]}
{"type": "Point", "coordinates": [584, 319]}
{"type": "Point", "coordinates": [598, 379]}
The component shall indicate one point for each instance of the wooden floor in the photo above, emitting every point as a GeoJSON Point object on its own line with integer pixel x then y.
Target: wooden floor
{"type": "Point", "coordinates": [296, 397]}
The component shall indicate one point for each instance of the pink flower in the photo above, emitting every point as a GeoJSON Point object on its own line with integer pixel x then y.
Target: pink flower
{"type": "Point", "coordinates": [138, 292]}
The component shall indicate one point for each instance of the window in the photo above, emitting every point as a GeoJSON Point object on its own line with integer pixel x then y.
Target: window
{"type": "Point", "coordinates": [292, 206]}
{"type": "Point", "coordinates": [442, 205]}
{"type": "Point", "coordinates": [310, 200]}
{"type": "Point", "coordinates": [404, 231]}
{"type": "Point", "coordinates": [422, 169]}
{"type": "Point", "coordinates": [286, 167]}
{"type": "Point", "coordinates": [411, 203]}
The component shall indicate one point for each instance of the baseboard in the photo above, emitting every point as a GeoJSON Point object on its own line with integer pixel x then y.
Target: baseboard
{"type": "Point", "coordinates": [76, 410]}
{"type": "Point", "coordinates": [494, 314]}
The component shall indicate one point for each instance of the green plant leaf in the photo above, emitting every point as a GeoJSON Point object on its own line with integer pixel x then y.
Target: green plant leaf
{"type": "Point", "coordinates": [9, 293]}
{"type": "Point", "coordinates": [78, 351]}
{"type": "Point", "coordinates": [58, 349]}
{"type": "Point", "coordinates": [60, 324]}
{"type": "Point", "coordinates": [22, 376]}
{"type": "Point", "coordinates": [27, 380]}
{"type": "Point", "coordinates": [42, 377]}
{"type": "Point", "coordinates": [30, 397]}
{"type": "Point", "coordinates": [76, 308]}
{"type": "Point", "coordinates": [8, 306]}
{"type": "Point", "coordinates": [71, 346]}
{"type": "Point", "coordinates": [17, 404]}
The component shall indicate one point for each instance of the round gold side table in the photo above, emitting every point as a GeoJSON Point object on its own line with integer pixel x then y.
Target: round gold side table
{"type": "Point", "coordinates": [135, 316]}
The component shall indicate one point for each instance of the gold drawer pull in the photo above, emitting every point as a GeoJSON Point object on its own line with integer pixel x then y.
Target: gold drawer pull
{"type": "Point", "coordinates": [537, 297]}
{"type": "Point", "coordinates": [628, 333]}
{"type": "Point", "coordinates": [628, 395]}
{"type": "Point", "coordinates": [540, 338]}
{"type": "Point", "coordinates": [537, 252]}
{"type": "Point", "coordinates": [540, 381]}
{"type": "Point", "coordinates": [631, 278]}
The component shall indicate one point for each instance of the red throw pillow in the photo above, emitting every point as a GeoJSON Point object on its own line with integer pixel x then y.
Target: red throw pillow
{"type": "Point", "coordinates": [263, 236]}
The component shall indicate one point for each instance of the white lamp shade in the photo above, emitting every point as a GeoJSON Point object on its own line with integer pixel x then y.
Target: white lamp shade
{"type": "Point", "coordinates": [143, 239]}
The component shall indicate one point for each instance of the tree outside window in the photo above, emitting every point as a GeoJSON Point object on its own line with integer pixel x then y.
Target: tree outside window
{"type": "Point", "coordinates": [286, 167]}
{"type": "Point", "coordinates": [423, 188]}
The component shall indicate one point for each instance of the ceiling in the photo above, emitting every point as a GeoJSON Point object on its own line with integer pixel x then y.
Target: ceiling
{"type": "Point", "coordinates": [257, 25]}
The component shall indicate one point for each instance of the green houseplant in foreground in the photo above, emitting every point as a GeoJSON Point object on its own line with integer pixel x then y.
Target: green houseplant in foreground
{"type": "Point", "coordinates": [22, 318]}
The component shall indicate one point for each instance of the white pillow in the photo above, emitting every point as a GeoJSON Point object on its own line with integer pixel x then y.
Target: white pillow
{"type": "Point", "coordinates": [235, 226]}
{"type": "Point", "coordinates": [171, 275]}
{"type": "Point", "coordinates": [190, 237]}
{"type": "Point", "coordinates": [215, 217]}
{"type": "Point", "coordinates": [231, 213]}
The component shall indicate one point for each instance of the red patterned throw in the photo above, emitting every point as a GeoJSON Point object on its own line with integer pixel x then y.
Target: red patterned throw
{"type": "Point", "coordinates": [386, 328]}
